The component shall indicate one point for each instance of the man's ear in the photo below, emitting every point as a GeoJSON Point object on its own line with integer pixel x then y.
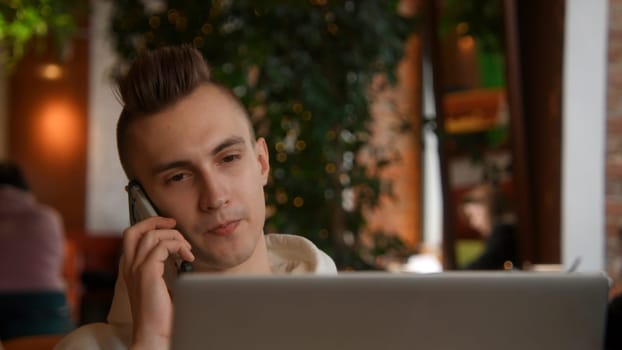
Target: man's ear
{"type": "Point", "coordinates": [261, 150]}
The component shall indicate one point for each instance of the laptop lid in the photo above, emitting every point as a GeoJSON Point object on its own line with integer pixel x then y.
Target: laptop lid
{"type": "Point", "coordinates": [364, 311]}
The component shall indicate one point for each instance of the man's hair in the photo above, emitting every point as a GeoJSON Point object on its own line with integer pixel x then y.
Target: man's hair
{"type": "Point", "coordinates": [158, 79]}
{"type": "Point", "coordinates": [11, 174]}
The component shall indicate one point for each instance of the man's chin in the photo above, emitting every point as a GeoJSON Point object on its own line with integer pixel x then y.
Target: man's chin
{"type": "Point", "coordinates": [218, 262]}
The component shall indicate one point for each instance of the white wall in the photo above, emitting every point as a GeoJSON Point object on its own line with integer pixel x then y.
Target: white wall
{"type": "Point", "coordinates": [106, 200]}
{"type": "Point", "coordinates": [583, 134]}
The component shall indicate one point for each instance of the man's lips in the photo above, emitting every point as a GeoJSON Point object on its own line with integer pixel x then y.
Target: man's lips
{"type": "Point", "coordinates": [224, 229]}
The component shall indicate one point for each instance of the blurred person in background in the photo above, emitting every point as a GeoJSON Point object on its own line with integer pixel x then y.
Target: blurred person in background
{"type": "Point", "coordinates": [32, 290]}
{"type": "Point", "coordinates": [487, 211]}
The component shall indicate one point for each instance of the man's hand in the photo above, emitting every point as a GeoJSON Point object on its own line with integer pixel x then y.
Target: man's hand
{"type": "Point", "coordinates": [148, 246]}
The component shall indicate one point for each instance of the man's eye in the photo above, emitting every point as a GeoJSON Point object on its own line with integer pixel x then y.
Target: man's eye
{"type": "Point", "coordinates": [176, 178]}
{"type": "Point", "coordinates": [230, 158]}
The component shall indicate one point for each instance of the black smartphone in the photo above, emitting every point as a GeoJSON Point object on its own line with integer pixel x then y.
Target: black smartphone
{"type": "Point", "coordinates": [141, 208]}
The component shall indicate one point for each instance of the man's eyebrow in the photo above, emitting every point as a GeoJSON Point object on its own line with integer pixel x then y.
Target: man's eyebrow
{"type": "Point", "coordinates": [231, 141]}
{"type": "Point", "coordinates": [172, 165]}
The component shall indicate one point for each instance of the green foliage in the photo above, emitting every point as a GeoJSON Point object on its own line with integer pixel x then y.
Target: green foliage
{"type": "Point", "coordinates": [484, 19]}
{"type": "Point", "coordinates": [389, 246]}
{"type": "Point", "coordinates": [304, 70]}
{"type": "Point", "coordinates": [22, 21]}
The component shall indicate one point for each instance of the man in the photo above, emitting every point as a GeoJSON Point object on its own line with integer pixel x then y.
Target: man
{"type": "Point", "coordinates": [189, 142]}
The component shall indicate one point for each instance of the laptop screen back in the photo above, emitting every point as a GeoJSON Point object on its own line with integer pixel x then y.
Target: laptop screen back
{"type": "Point", "coordinates": [364, 311]}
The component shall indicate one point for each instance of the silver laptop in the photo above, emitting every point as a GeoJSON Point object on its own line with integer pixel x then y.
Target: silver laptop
{"type": "Point", "coordinates": [365, 311]}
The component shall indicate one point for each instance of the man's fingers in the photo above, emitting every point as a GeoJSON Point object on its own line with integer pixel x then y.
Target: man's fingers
{"type": "Point", "coordinates": [156, 257]}
{"type": "Point", "coordinates": [133, 234]}
{"type": "Point", "coordinates": [149, 240]}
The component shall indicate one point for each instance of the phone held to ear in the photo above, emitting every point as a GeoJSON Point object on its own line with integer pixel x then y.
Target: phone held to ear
{"type": "Point", "coordinates": [141, 208]}
{"type": "Point", "coordinates": [140, 205]}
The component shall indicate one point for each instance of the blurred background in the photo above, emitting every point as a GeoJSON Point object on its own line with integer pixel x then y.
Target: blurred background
{"type": "Point", "coordinates": [381, 119]}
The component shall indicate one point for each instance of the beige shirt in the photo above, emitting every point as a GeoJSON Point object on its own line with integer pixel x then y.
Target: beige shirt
{"type": "Point", "coordinates": [288, 254]}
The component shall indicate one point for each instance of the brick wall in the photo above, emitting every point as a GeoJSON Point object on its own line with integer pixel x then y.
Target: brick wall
{"type": "Point", "coordinates": [614, 145]}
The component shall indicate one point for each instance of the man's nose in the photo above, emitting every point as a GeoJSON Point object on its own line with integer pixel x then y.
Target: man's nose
{"type": "Point", "coordinates": [214, 194]}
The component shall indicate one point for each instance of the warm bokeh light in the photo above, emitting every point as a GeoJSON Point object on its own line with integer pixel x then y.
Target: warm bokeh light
{"type": "Point", "coordinates": [57, 130]}
{"type": "Point", "coordinates": [51, 71]}
{"type": "Point", "coordinates": [466, 43]}
{"type": "Point", "coordinates": [462, 28]}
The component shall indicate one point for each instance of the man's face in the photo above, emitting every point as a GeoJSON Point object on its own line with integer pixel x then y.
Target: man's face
{"type": "Point", "coordinates": [198, 164]}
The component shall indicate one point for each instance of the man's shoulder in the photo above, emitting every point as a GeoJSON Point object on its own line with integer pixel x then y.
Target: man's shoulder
{"type": "Point", "coordinates": [297, 254]}
{"type": "Point", "coordinates": [95, 336]}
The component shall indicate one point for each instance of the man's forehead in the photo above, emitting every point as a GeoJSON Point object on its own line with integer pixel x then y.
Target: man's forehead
{"type": "Point", "coordinates": [176, 143]}
{"type": "Point", "coordinates": [206, 117]}
{"type": "Point", "coordinates": [218, 105]}
{"type": "Point", "coordinates": [220, 95]}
